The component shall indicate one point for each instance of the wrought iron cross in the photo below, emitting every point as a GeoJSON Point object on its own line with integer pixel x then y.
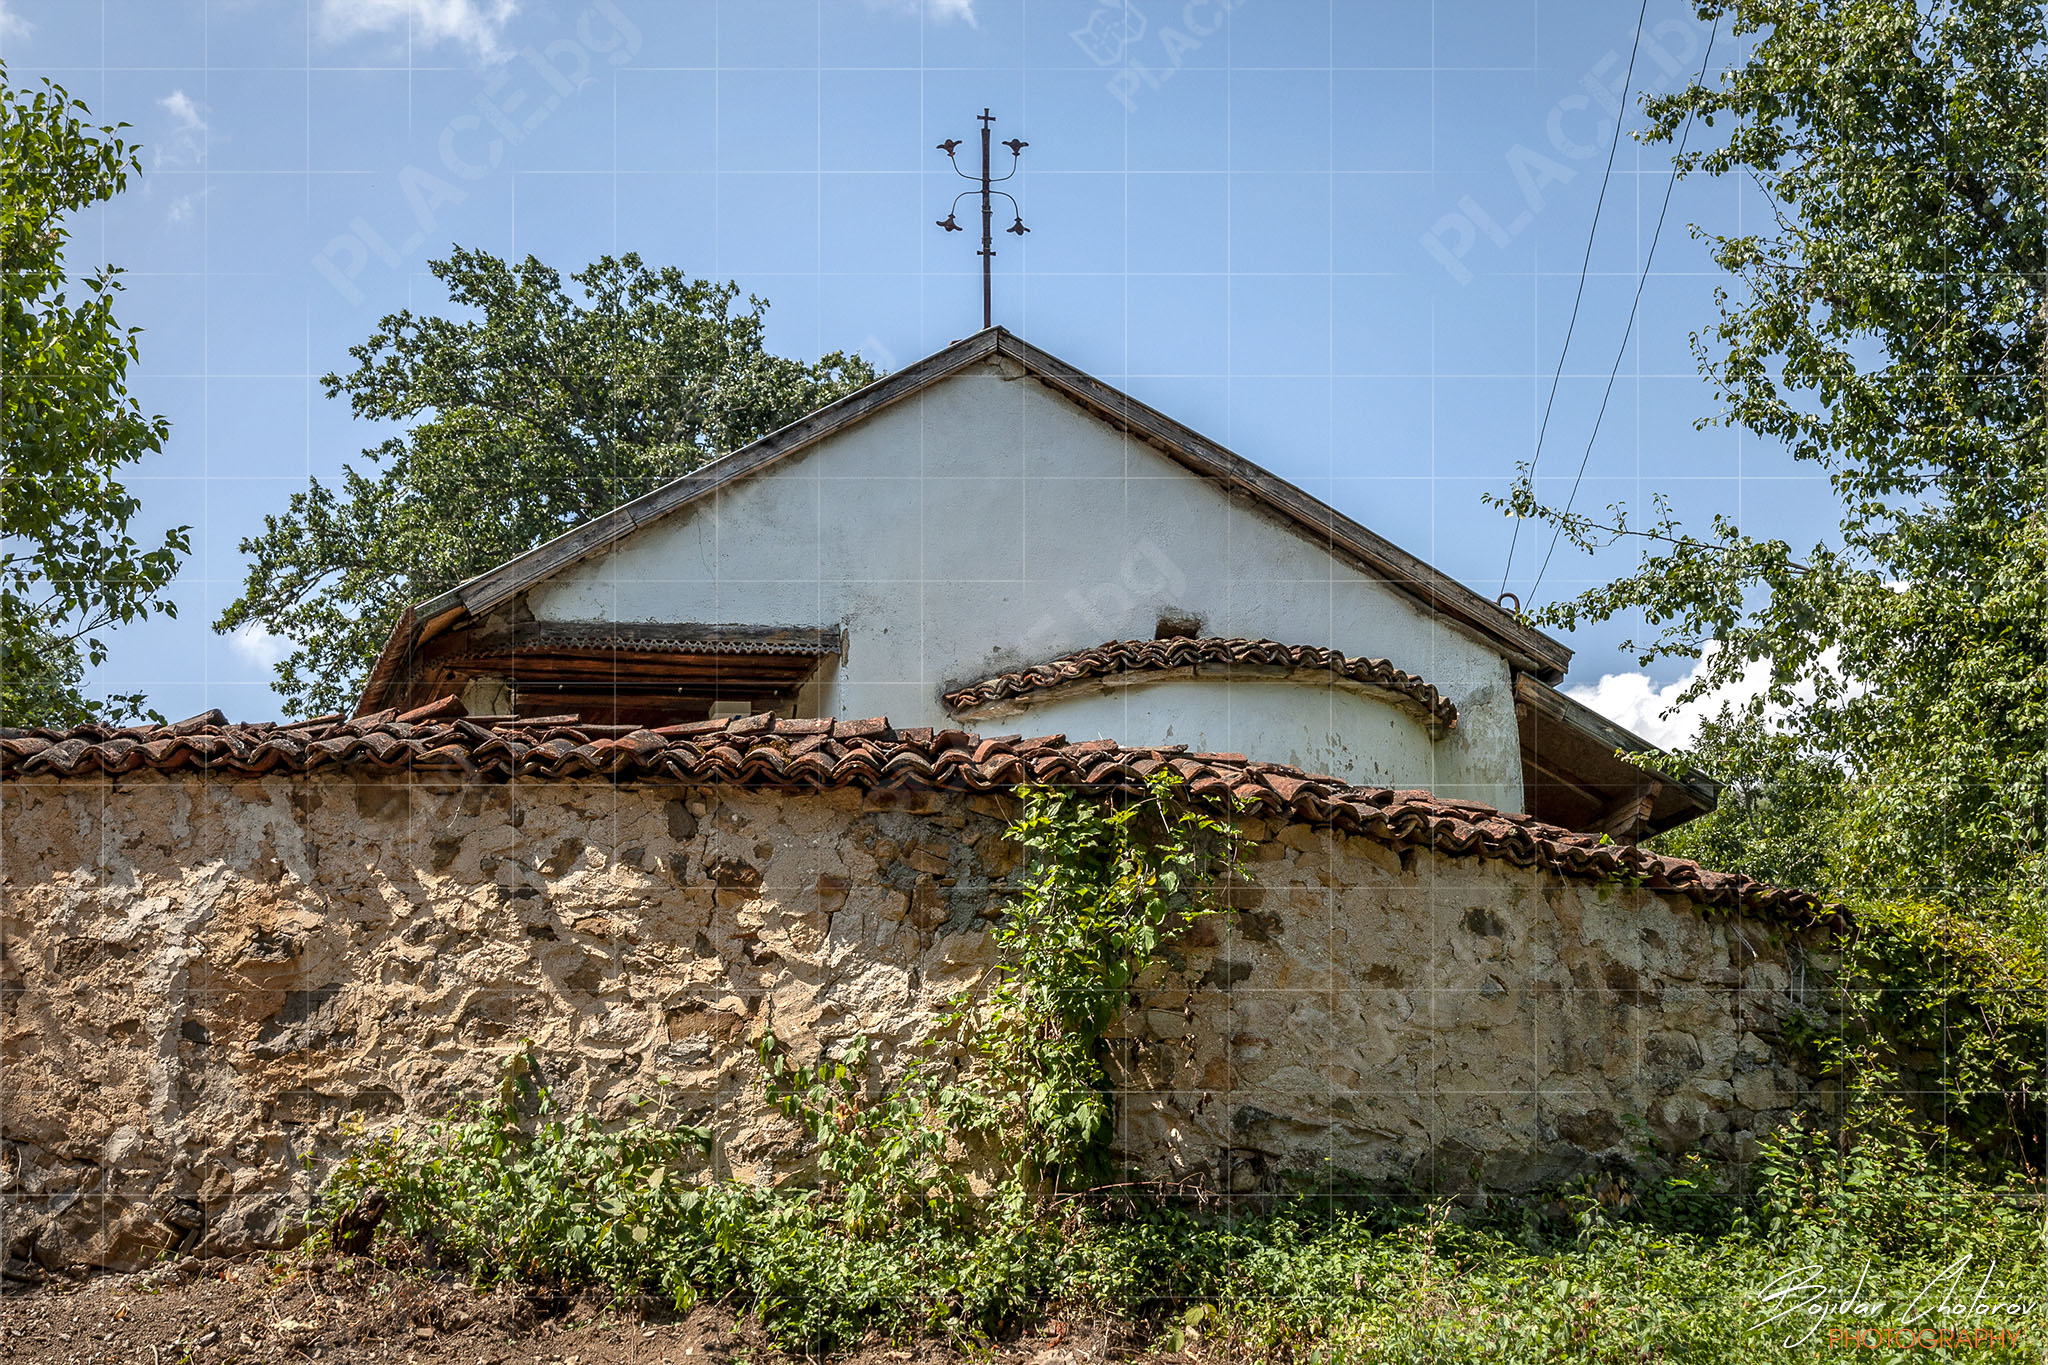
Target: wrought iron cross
{"type": "Point", "coordinates": [987, 193]}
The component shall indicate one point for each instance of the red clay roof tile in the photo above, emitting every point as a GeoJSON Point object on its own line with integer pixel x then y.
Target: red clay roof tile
{"type": "Point", "coordinates": [1116, 657]}
{"type": "Point", "coordinates": [766, 751]}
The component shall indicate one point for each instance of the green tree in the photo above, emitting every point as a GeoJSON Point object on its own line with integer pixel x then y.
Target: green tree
{"type": "Point", "coordinates": [1781, 804]}
{"type": "Point", "coordinates": [532, 411]}
{"type": "Point", "coordinates": [68, 566]}
{"type": "Point", "coordinates": [1887, 326]}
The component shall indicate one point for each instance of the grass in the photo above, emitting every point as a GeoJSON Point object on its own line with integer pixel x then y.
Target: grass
{"type": "Point", "coordinates": [1875, 1235]}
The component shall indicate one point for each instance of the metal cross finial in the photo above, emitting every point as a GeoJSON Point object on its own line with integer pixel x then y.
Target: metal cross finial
{"type": "Point", "coordinates": [988, 193]}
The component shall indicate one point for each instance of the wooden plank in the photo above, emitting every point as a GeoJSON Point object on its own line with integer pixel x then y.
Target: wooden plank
{"type": "Point", "coordinates": [1626, 820]}
{"type": "Point", "coordinates": [390, 665]}
{"type": "Point", "coordinates": [1555, 779]}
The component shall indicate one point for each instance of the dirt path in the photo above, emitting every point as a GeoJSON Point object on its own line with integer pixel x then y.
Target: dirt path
{"type": "Point", "coordinates": [206, 1312]}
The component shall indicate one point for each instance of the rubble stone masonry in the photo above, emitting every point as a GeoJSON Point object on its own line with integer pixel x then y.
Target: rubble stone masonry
{"type": "Point", "coordinates": [207, 978]}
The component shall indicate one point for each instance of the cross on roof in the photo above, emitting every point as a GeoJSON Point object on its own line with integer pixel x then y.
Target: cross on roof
{"type": "Point", "coordinates": [988, 194]}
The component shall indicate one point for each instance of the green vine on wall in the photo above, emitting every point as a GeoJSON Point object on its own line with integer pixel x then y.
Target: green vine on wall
{"type": "Point", "coordinates": [1105, 888]}
{"type": "Point", "coordinates": [1107, 883]}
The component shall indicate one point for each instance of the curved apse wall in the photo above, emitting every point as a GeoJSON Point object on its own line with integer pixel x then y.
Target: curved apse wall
{"type": "Point", "coordinates": [1347, 732]}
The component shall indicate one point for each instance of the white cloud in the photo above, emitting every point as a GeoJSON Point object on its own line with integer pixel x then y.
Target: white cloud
{"type": "Point", "coordinates": [256, 646]}
{"type": "Point", "coordinates": [183, 207]}
{"type": "Point", "coordinates": [1635, 701]}
{"type": "Point", "coordinates": [939, 11]}
{"type": "Point", "coordinates": [184, 146]}
{"type": "Point", "coordinates": [478, 25]}
{"type": "Point", "coordinates": [181, 107]}
{"type": "Point", "coordinates": [12, 25]}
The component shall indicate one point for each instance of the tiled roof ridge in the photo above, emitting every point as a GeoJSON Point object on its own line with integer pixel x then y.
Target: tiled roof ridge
{"type": "Point", "coordinates": [766, 751]}
{"type": "Point", "coordinates": [1132, 656]}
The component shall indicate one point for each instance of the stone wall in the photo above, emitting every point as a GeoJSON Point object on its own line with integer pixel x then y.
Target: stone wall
{"type": "Point", "coordinates": [206, 978]}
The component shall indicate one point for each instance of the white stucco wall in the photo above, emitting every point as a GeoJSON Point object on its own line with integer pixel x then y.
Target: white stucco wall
{"type": "Point", "coordinates": [987, 524]}
{"type": "Point", "coordinates": [1321, 728]}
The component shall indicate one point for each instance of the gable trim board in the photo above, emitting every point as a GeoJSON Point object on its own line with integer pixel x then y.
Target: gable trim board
{"type": "Point", "coordinates": [1527, 650]}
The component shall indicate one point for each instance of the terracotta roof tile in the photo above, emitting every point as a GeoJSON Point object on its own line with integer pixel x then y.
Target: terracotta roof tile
{"type": "Point", "coordinates": [1138, 656]}
{"type": "Point", "coordinates": [768, 752]}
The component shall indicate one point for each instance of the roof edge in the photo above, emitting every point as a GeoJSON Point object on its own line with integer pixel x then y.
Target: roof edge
{"type": "Point", "coordinates": [1528, 649]}
{"type": "Point", "coordinates": [440, 742]}
{"type": "Point", "coordinates": [1137, 659]}
{"type": "Point", "coordinates": [1570, 711]}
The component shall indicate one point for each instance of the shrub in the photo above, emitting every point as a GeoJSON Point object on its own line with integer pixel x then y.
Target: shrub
{"type": "Point", "coordinates": [1947, 1017]}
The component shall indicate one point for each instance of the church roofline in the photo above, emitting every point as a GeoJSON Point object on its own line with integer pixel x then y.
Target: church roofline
{"type": "Point", "coordinates": [1526, 648]}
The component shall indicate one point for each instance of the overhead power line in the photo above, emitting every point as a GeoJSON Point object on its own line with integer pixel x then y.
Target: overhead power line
{"type": "Point", "coordinates": [1684, 135]}
{"type": "Point", "coordinates": [1627, 83]}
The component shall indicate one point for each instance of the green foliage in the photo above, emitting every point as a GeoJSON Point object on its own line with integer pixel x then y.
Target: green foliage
{"type": "Point", "coordinates": [1104, 889]}
{"type": "Point", "coordinates": [534, 412]}
{"type": "Point", "coordinates": [882, 1157]}
{"type": "Point", "coordinates": [1616, 1275]}
{"type": "Point", "coordinates": [519, 1191]}
{"type": "Point", "coordinates": [1890, 328]}
{"type": "Point", "coordinates": [1780, 810]}
{"type": "Point", "coordinates": [68, 566]}
{"type": "Point", "coordinates": [1680, 1268]}
{"type": "Point", "coordinates": [1959, 1010]}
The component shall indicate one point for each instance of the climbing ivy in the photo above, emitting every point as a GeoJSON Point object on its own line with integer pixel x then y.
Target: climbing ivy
{"type": "Point", "coordinates": [880, 1157]}
{"type": "Point", "coordinates": [1105, 888]}
{"type": "Point", "coordinates": [1950, 1015]}
{"type": "Point", "coordinates": [1106, 885]}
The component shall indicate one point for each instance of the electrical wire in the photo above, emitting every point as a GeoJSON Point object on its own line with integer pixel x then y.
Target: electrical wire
{"type": "Point", "coordinates": [1669, 185]}
{"type": "Point", "coordinates": [1627, 81]}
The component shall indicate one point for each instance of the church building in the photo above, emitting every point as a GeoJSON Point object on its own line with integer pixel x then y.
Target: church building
{"type": "Point", "coordinates": [994, 541]}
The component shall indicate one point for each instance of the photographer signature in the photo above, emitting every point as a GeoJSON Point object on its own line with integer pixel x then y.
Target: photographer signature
{"type": "Point", "coordinates": [1809, 1292]}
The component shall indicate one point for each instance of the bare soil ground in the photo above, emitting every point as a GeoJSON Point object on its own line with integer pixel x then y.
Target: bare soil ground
{"type": "Point", "coordinates": [207, 1312]}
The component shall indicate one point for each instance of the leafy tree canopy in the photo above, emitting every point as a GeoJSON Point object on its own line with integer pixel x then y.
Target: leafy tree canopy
{"type": "Point", "coordinates": [1887, 324]}
{"type": "Point", "coordinates": [68, 566]}
{"type": "Point", "coordinates": [532, 410]}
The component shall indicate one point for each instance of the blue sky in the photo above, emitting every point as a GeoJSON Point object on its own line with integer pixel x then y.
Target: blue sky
{"type": "Point", "coordinates": [1342, 237]}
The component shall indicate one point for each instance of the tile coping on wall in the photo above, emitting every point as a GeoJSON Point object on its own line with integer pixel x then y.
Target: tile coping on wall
{"type": "Point", "coordinates": [440, 741]}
